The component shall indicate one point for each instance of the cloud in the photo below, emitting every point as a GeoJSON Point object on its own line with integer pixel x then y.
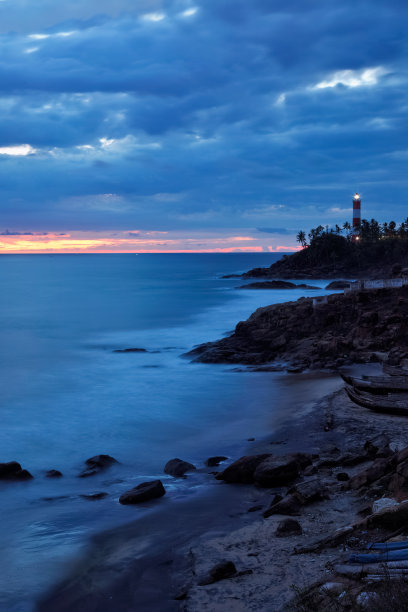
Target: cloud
{"type": "Point", "coordinates": [274, 230]}
{"type": "Point", "coordinates": [269, 113]}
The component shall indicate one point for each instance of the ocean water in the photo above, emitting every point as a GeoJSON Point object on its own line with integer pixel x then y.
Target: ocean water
{"type": "Point", "coordinates": [66, 395]}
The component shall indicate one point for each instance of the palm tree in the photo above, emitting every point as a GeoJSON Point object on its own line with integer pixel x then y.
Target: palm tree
{"type": "Point", "coordinates": [301, 238]}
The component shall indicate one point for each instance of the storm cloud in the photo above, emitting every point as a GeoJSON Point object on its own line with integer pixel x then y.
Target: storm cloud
{"type": "Point", "coordinates": [174, 115]}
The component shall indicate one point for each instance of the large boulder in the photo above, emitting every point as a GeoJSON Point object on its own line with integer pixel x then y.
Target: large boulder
{"type": "Point", "coordinates": [143, 493]}
{"type": "Point", "coordinates": [178, 467]}
{"type": "Point", "coordinates": [279, 471]}
{"type": "Point", "coordinates": [13, 471]}
{"type": "Point", "coordinates": [242, 471]}
{"type": "Point", "coordinates": [97, 464]}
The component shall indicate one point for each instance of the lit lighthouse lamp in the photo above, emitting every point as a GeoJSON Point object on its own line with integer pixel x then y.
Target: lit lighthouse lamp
{"type": "Point", "coordinates": [356, 216]}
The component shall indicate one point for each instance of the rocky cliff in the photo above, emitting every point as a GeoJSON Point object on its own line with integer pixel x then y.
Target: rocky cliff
{"type": "Point", "coordinates": [349, 328]}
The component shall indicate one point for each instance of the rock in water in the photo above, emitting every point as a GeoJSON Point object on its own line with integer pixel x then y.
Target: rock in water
{"type": "Point", "coordinates": [143, 493]}
{"type": "Point", "coordinates": [178, 467]}
{"type": "Point", "coordinates": [95, 496]}
{"type": "Point", "coordinates": [13, 471]}
{"type": "Point", "coordinates": [53, 474]}
{"type": "Point", "coordinates": [97, 464]}
{"type": "Point", "coordinates": [130, 350]}
{"type": "Point", "coordinates": [214, 461]}
{"type": "Point", "coordinates": [288, 527]}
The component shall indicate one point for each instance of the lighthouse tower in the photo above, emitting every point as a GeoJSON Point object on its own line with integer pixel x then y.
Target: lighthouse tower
{"type": "Point", "coordinates": [356, 216]}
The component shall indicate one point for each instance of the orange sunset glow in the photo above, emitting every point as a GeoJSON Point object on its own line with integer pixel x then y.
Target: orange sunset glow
{"type": "Point", "coordinates": [133, 242]}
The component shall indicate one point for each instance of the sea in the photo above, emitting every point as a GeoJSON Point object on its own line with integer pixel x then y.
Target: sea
{"type": "Point", "coordinates": [66, 395]}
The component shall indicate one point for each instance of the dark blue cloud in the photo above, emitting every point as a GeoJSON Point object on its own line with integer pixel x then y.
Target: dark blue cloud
{"type": "Point", "coordinates": [251, 114]}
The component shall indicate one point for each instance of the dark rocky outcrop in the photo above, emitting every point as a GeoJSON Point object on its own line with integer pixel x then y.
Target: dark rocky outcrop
{"type": "Point", "coordinates": [178, 467]}
{"type": "Point", "coordinates": [53, 474]}
{"type": "Point", "coordinates": [13, 471]}
{"type": "Point", "coordinates": [97, 464]}
{"type": "Point", "coordinates": [349, 328]}
{"type": "Point", "coordinates": [143, 493]}
{"type": "Point", "coordinates": [214, 461]}
{"type": "Point", "coordinates": [276, 284]}
{"type": "Point", "coordinates": [288, 527]}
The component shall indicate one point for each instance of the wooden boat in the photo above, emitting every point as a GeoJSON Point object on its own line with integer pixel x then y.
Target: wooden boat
{"type": "Point", "coordinates": [394, 370]}
{"type": "Point", "coordinates": [377, 384]}
{"type": "Point", "coordinates": [389, 404]}
{"type": "Point", "coordinates": [378, 403]}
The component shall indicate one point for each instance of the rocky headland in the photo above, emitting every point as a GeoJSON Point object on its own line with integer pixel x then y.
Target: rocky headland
{"type": "Point", "coordinates": [359, 326]}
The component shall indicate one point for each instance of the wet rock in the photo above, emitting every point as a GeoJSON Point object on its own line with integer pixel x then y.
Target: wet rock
{"type": "Point", "coordinates": [214, 461]}
{"type": "Point", "coordinates": [377, 444]}
{"type": "Point", "coordinates": [130, 350]}
{"type": "Point", "coordinates": [178, 467]}
{"type": "Point", "coordinates": [221, 571]}
{"type": "Point", "coordinates": [53, 474]}
{"type": "Point", "coordinates": [143, 493]}
{"type": "Point", "coordinates": [95, 496]}
{"type": "Point", "coordinates": [342, 477]}
{"type": "Point", "coordinates": [13, 471]}
{"type": "Point", "coordinates": [97, 464]}
{"type": "Point", "coordinates": [242, 471]}
{"type": "Point", "coordinates": [288, 527]}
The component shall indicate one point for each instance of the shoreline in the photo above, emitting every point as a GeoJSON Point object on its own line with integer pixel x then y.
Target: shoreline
{"type": "Point", "coordinates": [120, 572]}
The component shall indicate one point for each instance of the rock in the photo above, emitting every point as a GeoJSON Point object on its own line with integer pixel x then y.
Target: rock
{"type": "Point", "coordinates": [289, 505]}
{"type": "Point", "coordinates": [379, 469]}
{"type": "Point", "coordinates": [251, 440]}
{"type": "Point", "coordinates": [340, 284]}
{"type": "Point", "coordinates": [95, 496]}
{"type": "Point", "coordinates": [391, 518]}
{"type": "Point", "coordinates": [310, 491]}
{"type": "Point", "coordinates": [13, 471]}
{"type": "Point", "coordinates": [53, 474]}
{"type": "Point", "coordinates": [342, 477]}
{"type": "Point", "coordinates": [130, 350]}
{"type": "Point", "coordinates": [276, 284]}
{"type": "Point", "coordinates": [372, 447]}
{"type": "Point", "coordinates": [221, 571]}
{"type": "Point", "coordinates": [288, 527]}
{"type": "Point", "coordinates": [214, 461]}
{"type": "Point", "coordinates": [278, 471]}
{"type": "Point", "coordinates": [143, 493]}
{"type": "Point", "coordinates": [384, 502]}
{"type": "Point", "coordinates": [242, 471]}
{"type": "Point", "coordinates": [97, 464]}
{"type": "Point", "coordinates": [178, 467]}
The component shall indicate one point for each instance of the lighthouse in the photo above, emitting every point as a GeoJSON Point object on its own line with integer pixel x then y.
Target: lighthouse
{"type": "Point", "coordinates": [356, 216]}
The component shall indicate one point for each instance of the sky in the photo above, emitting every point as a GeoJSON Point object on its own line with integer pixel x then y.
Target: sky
{"type": "Point", "coordinates": [183, 125]}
